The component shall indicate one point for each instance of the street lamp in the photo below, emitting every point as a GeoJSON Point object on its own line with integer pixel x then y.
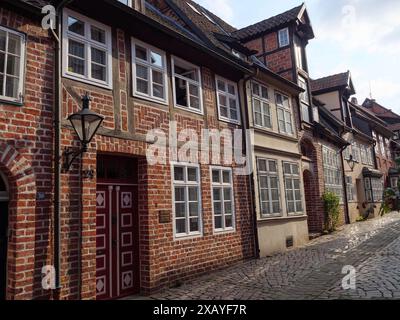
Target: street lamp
{"type": "Point", "coordinates": [351, 162]}
{"type": "Point", "coordinates": [85, 123]}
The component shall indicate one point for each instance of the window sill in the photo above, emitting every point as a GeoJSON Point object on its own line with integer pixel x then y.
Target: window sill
{"type": "Point", "coordinates": [149, 99]}
{"type": "Point", "coordinates": [11, 102]}
{"type": "Point", "coordinates": [282, 218]}
{"type": "Point", "coordinates": [187, 237]}
{"type": "Point", "coordinates": [195, 111]}
{"type": "Point", "coordinates": [87, 81]}
{"type": "Point", "coordinates": [223, 232]}
{"type": "Point", "coordinates": [227, 120]}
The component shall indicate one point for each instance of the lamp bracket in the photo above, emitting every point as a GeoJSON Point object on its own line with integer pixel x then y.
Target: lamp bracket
{"type": "Point", "coordinates": [69, 156]}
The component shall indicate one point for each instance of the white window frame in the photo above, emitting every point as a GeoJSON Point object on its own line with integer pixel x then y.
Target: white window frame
{"type": "Point", "coordinates": [350, 189]}
{"type": "Point", "coordinates": [22, 62]}
{"type": "Point", "coordinates": [262, 101]}
{"type": "Point", "coordinates": [293, 177]}
{"type": "Point", "coordinates": [280, 37]}
{"type": "Point", "coordinates": [228, 95]}
{"type": "Point", "coordinates": [187, 184]}
{"type": "Point", "coordinates": [88, 44]}
{"type": "Point", "coordinates": [268, 174]}
{"type": "Point", "coordinates": [287, 111]}
{"type": "Point", "coordinates": [223, 186]}
{"type": "Point", "coordinates": [305, 99]}
{"type": "Point", "coordinates": [188, 81]}
{"type": "Point", "coordinates": [135, 61]}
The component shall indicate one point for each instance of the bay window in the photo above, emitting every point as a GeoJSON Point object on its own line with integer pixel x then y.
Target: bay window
{"type": "Point", "coordinates": [87, 50]}
{"type": "Point", "coordinates": [268, 187]}
{"type": "Point", "coordinates": [149, 70]}
{"type": "Point", "coordinates": [261, 106]}
{"type": "Point", "coordinates": [228, 100]}
{"type": "Point", "coordinates": [187, 85]}
{"type": "Point", "coordinates": [187, 200]}
{"type": "Point", "coordinates": [12, 65]}
{"type": "Point", "coordinates": [293, 188]}
{"type": "Point", "coordinates": [222, 199]}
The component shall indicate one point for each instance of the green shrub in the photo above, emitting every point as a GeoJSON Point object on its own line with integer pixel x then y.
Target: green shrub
{"type": "Point", "coordinates": [387, 201]}
{"type": "Point", "coordinates": [332, 211]}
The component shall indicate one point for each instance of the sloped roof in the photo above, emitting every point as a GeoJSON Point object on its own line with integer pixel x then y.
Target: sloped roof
{"type": "Point", "coordinates": [330, 82]}
{"type": "Point", "coordinates": [270, 23]}
{"type": "Point", "coordinates": [36, 3]}
{"type": "Point", "coordinates": [385, 113]}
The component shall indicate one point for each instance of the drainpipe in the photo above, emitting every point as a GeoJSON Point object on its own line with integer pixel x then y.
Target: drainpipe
{"type": "Point", "coordinates": [57, 144]}
{"type": "Point", "coordinates": [246, 125]}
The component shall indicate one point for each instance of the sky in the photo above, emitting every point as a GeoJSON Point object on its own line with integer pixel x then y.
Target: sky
{"type": "Point", "coordinates": [362, 36]}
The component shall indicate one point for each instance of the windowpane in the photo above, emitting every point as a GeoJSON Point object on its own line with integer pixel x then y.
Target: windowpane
{"type": "Point", "coordinates": [98, 34]}
{"type": "Point", "coordinates": [142, 86]}
{"type": "Point", "coordinates": [218, 222]}
{"type": "Point", "coordinates": [264, 92]}
{"type": "Point", "coordinates": [180, 226]}
{"type": "Point", "coordinates": [98, 56]}
{"type": "Point", "coordinates": [193, 195]}
{"type": "Point", "coordinates": [76, 65]}
{"type": "Point", "coordinates": [76, 49]}
{"type": "Point", "coordinates": [13, 65]}
{"type": "Point", "coordinates": [76, 26]}
{"type": "Point", "coordinates": [217, 208]}
{"type": "Point", "coordinates": [99, 72]}
{"type": "Point", "coordinates": [156, 59]}
{"type": "Point", "coordinates": [217, 194]}
{"type": "Point", "coordinates": [194, 225]}
{"type": "Point", "coordinates": [12, 87]}
{"type": "Point", "coordinates": [2, 61]}
{"type": "Point", "coordinates": [14, 44]}
{"type": "Point", "coordinates": [141, 53]}
{"type": "Point", "coordinates": [216, 176]}
{"type": "Point", "coordinates": [180, 210]}
{"type": "Point", "coordinates": [227, 194]}
{"type": "Point", "coordinates": [179, 174]}
{"type": "Point", "coordinates": [228, 221]}
{"type": "Point", "coordinates": [3, 36]}
{"type": "Point", "coordinates": [186, 72]}
{"type": "Point", "coordinates": [193, 209]}
{"type": "Point", "coordinates": [192, 174]}
{"type": "Point", "coordinates": [226, 177]}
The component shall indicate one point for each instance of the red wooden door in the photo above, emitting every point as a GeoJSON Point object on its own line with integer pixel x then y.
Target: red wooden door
{"type": "Point", "coordinates": [117, 259]}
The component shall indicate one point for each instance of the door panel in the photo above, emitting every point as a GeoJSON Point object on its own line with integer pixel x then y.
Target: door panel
{"type": "Point", "coordinates": [117, 260]}
{"type": "Point", "coordinates": [3, 248]}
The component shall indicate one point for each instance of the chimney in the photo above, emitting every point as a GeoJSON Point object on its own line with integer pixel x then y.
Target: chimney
{"type": "Point", "coordinates": [140, 5]}
{"type": "Point", "coordinates": [354, 101]}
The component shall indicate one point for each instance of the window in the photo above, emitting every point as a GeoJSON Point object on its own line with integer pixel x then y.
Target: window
{"type": "Point", "coordinates": [222, 198]}
{"type": "Point", "coordinates": [149, 69]}
{"type": "Point", "coordinates": [364, 152]}
{"type": "Point", "coordinates": [373, 189]}
{"type": "Point", "coordinates": [87, 50]}
{"type": "Point", "coordinates": [376, 138]}
{"type": "Point", "coordinates": [283, 36]}
{"type": "Point", "coordinates": [382, 145]}
{"type": "Point", "coordinates": [387, 148]}
{"type": "Point", "coordinates": [356, 151]}
{"type": "Point", "coordinates": [261, 106]}
{"type": "Point", "coordinates": [228, 100]}
{"type": "Point", "coordinates": [370, 156]}
{"type": "Point", "coordinates": [12, 65]}
{"type": "Point", "coordinates": [332, 172]}
{"type": "Point", "coordinates": [305, 100]}
{"type": "Point", "coordinates": [187, 85]}
{"type": "Point", "coordinates": [347, 153]}
{"type": "Point", "coordinates": [293, 188]}
{"type": "Point", "coordinates": [299, 54]}
{"type": "Point", "coordinates": [284, 114]}
{"type": "Point", "coordinates": [350, 189]}
{"type": "Point", "coordinates": [187, 203]}
{"type": "Point", "coordinates": [268, 187]}
{"type": "Point", "coordinates": [394, 181]}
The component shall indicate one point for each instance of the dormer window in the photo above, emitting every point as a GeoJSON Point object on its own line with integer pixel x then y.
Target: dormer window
{"type": "Point", "coordinates": [283, 37]}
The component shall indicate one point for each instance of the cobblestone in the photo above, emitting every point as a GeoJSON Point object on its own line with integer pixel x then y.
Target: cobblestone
{"type": "Point", "coordinates": [313, 271]}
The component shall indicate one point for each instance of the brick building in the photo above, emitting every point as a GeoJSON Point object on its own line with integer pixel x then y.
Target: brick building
{"type": "Point", "coordinates": [281, 42]}
{"type": "Point", "coordinates": [125, 225]}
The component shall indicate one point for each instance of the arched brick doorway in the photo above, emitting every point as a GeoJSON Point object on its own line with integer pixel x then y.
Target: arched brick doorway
{"type": "Point", "coordinates": [3, 235]}
{"type": "Point", "coordinates": [311, 192]}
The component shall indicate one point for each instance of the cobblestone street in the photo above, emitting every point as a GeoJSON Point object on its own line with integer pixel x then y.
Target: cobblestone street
{"type": "Point", "coordinates": [313, 271]}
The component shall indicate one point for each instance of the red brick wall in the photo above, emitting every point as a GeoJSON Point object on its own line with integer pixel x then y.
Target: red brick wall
{"type": "Point", "coordinates": [26, 159]}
